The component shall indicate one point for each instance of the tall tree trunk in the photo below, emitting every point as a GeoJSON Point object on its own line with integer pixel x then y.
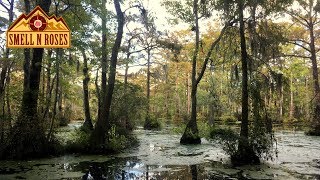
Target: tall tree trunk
{"type": "Point", "coordinates": [87, 120]}
{"type": "Point", "coordinates": [126, 73]}
{"type": "Point", "coordinates": [49, 87]}
{"type": "Point", "coordinates": [27, 52]}
{"type": "Point", "coordinates": [127, 63]}
{"type": "Point", "coordinates": [316, 116]}
{"type": "Point", "coordinates": [245, 153]}
{"type": "Point", "coordinates": [8, 104]}
{"type": "Point", "coordinates": [3, 76]}
{"type": "Point", "coordinates": [148, 123]}
{"type": "Point", "coordinates": [60, 115]}
{"type": "Point", "coordinates": [280, 96]}
{"type": "Point", "coordinates": [126, 113]}
{"type": "Point", "coordinates": [56, 94]}
{"type": "Point", "coordinates": [191, 133]}
{"type": "Point", "coordinates": [98, 93]}
{"type": "Point", "coordinates": [291, 111]}
{"type": "Point", "coordinates": [99, 134]}
{"type": "Point", "coordinates": [188, 95]}
{"type": "Point", "coordinates": [43, 89]}
{"type": "Point", "coordinates": [27, 137]}
{"type": "Point", "coordinates": [244, 65]}
{"type": "Point", "coordinates": [280, 89]}
{"type": "Point", "coordinates": [148, 79]}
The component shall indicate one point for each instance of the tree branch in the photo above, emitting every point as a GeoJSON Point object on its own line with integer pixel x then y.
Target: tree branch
{"type": "Point", "coordinates": [300, 45]}
{"type": "Point", "coordinates": [3, 5]}
{"type": "Point", "coordinates": [213, 45]}
{"type": "Point", "coordinates": [294, 55]}
{"type": "Point", "coordinates": [299, 18]}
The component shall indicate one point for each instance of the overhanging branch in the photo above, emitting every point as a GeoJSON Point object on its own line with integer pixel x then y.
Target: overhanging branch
{"type": "Point", "coordinates": [213, 45]}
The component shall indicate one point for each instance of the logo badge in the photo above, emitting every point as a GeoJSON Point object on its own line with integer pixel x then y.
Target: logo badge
{"type": "Point", "coordinates": [38, 30]}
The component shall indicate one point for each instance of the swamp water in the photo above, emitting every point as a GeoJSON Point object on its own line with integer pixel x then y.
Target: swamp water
{"type": "Point", "coordinates": [160, 156]}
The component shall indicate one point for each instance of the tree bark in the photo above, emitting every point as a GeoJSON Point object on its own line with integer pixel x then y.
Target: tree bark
{"type": "Point", "coordinates": [188, 95]}
{"type": "Point", "coordinates": [128, 53]}
{"type": "Point", "coordinates": [3, 77]}
{"type": "Point", "coordinates": [49, 87]}
{"type": "Point", "coordinates": [126, 73]}
{"type": "Point", "coordinates": [27, 52]}
{"type": "Point", "coordinates": [291, 111]}
{"type": "Point", "coordinates": [99, 134]}
{"type": "Point", "coordinates": [86, 105]}
{"type": "Point", "coordinates": [147, 123]}
{"type": "Point", "coordinates": [56, 94]}
{"type": "Point", "coordinates": [244, 65]}
{"type": "Point", "coordinates": [27, 138]}
{"type": "Point", "coordinates": [245, 153]}
{"type": "Point", "coordinates": [316, 116]}
{"type": "Point", "coordinates": [98, 93]}
{"type": "Point", "coordinates": [191, 133]}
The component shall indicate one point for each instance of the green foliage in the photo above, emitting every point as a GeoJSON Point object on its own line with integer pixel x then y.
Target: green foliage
{"type": "Point", "coordinates": [178, 129]}
{"type": "Point", "coordinates": [128, 105]}
{"type": "Point", "coordinates": [261, 137]}
{"type": "Point", "coordinates": [203, 127]}
{"type": "Point", "coordinates": [65, 118]}
{"type": "Point", "coordinates": [227, 138]}
{"type": "Point", "coordinates": [116, 141]}
{"type": "Point", "coordinates": [152, 123]}
{"type": "Point", "coordinates": [261, 143]}
{"type": "Point", "coordinates": [181, 10]}
{"type": "Point", "coordinates": [227, 119]}
{"type": "Point", "coordinates": [78, 141]}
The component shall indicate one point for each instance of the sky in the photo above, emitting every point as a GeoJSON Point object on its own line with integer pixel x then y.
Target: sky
{"type": "Point", "coordinates": [154, 6]}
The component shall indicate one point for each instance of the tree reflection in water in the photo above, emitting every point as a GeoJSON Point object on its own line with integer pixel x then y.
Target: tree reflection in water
{"type": "Point", "coordinates": [135, 169]}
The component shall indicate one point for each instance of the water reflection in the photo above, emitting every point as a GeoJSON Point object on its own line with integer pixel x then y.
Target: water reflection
{"type": "Point", "coordinates": [160, 156]}
{"type": "Point", "coordinates": [132, 168]}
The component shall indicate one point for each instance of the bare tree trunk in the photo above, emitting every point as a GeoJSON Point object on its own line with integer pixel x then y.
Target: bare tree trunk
{"type": "Point", "coordinates": [43, 94]}
{"type": "Point", "coordinates": [60, 115]}
{"type": "Point", "coordinates": [56, 97]}
{"type": "Point", "coordinates": [49, 87]}
{"type": "Point", "coordinates": [98, 94]}
{"type": "Point", "coordinates": [188, 95]}
{"type": "Point", "coordinates": [3, 76]}
{"type": "Point", "coordinates": [291, 98]}
{"type": "Point", "coordinates": [245, 153]}
{"type": "Point", "coordinates": [280, 97]}
{"type": "Point", "coordinates": [8, 80]}
{"type": "Point", "coordinates": [316, 116]}
{"type": "Point", "coordinates": [99, 134]}
{"type": "Point", "coordinates": [307, 98]}
{"type": "Point", "coordinates": [27, 52]}
{"type": "Point", "coordinates": [281, 104]}
{"type": "Point", "coordinates": [147, 123]}
{"type": "Point", "coordinates": [191, 133]}
{"type": "Point", "coordinates": [127, 62]}
{"type": "Point", "coordinates": [244, 133]}
{"type": "Point", "coordinates": [86, 105]}
{"type": "Point", "coordinates": [126, 73]}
